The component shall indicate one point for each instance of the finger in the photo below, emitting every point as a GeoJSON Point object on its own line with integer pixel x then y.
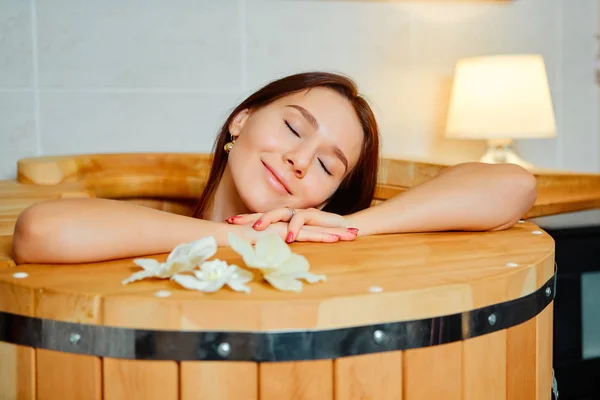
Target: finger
{"type": "Point", "coordinates": [324, 219]}
{"type": "Point", "coordinates": [270, 217]}
{"type": "Point", "coordinates": [344, 234]}
{"type": "Point", "coordinates": [243, 219]}
{"type": "Point", "coordinates": [294, 226]}
{"type": "Point", "coordinates": [316, 236]}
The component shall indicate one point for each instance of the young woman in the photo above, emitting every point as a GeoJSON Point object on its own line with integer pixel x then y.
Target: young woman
{"type": "Point", "coordinates": [298, 158]}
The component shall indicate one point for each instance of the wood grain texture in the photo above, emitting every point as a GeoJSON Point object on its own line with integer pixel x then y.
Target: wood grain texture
{"type": "Point", "coordinates": [375, 376]}
{"type": "Point", "coordinates": [208, 380]}
{"type": "Point", "coordinates": [302, 380]}
{"type": "Point", "coordinates": [484, 367]}
{"type": "Point", "coordinates": [6, 257]}
{"type": "Point", "coordinates": [17, 372]}
{"type": "Point", "coordinates": [183, 175]}
{"type": "Point", "coordinates": [68, 376]}
{"type": "Point", "coordinates": [140, 379]}
{"type": "Point", "coordinates": [433, 372]}
{"type": "Point", "coordinates": [544, 352]}
{"type": "Point", "coordinates": [521, 356]}
{"type": "Point", "coordinates": [434, 274]}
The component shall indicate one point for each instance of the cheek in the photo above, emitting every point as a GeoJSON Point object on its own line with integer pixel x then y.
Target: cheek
{"type": "Point", "coordinates": [316, 191]}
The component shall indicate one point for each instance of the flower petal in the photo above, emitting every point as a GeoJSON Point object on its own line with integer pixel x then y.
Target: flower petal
{"type": "Point", "coordinates": [149, 264]}
{"type": "Point", "coordinates": [295, 263]}
{"type": "Point", "coordinates": [310, 278]}
{"type": "Point", "coordinates": [244, 249]}
{"type": "Point", "coordinates": [272, 250]}
{"type": "Point", "coordinates": [180, 251]}
{"type": "Point", "coordinates": [238, 285]}
{"type": "Point", "coordinates": [201, 250]}
{"type": "Point", "coordinates": [193, 283]}
{"type": "Point", "coordinates": [139, 276]}
{"type": "Point", "coordinates": [241, 274]}
{"type": "Point", "coordinates": [285, 283]}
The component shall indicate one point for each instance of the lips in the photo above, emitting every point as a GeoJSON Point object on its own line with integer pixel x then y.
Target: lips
{"type": "Point", "coordinates": [275, 181]}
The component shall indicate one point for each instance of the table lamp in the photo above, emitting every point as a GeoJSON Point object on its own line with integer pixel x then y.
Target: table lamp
{"type": "Point", "coordinates": [501, 98]}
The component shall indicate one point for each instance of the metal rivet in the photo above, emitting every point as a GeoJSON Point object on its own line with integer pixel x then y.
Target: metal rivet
{"type": "Point", "coordinates": [521, 221]}
{"type": "Point", "coordinates": [375, 289]}
{"type": "Point", "coordinates": [224, 349]}
{"type": "Point", "coordinates": [74, 338]}
{"type": "Point", "coordinates": [536, 232]}
{"type": "Point", "coordinates": [20, 275]}
{"type": "Point", "coordinates": [378, 336]}
{"type": "Point", "coordinates": [548, 292]}
{"type": "Point", "coordinates": [512, 264]}
{"type": "Point", "coordinates": [492, 319]}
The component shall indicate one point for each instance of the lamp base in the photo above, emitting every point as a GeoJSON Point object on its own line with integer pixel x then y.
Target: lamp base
{"type": "Point", "coordinates": [502, 151]}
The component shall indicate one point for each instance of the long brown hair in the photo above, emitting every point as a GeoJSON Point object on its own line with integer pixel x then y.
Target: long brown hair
{"type": "Point", "coordinates": [358, 188]}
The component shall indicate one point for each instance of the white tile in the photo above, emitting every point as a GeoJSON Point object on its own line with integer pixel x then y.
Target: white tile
{"type": "Point", "coordinates": [17, 130]}
{"type": "Point", "coordinates": [88, 122]}
{"type": "Point", "coordinates": [16, 56]}
{"type": "Point", "coordinates": [139, 43]}
{"type": "Point", "coordinates": [580, 132]}
{"type": "Point", "coordinates": [444, 33]}
{"type": "Point", "coordinates": [369, 41]}
{"type": "Point", "coordinates": [579, 44]}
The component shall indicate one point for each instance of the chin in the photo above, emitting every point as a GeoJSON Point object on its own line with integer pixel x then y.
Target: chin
{"type": "Point", "coordinates": [258, 200]}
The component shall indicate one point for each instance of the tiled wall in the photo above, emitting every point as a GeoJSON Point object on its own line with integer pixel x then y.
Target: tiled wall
{"type": "Point", "coordinates": [154, 75]}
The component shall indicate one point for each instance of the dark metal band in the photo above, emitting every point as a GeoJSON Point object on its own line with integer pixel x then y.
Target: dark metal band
{"type": "Point", "coordinates": [106, 341]}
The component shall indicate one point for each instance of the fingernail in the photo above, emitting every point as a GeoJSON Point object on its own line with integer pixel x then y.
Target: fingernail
{"type": "Point", "coordinates": [337, 236]}
{"type": "Point", "coordinates": [353, 230]}
{"type": "Point", "coordinates": [290, 237]}
{"type": "Point", "coordinates": [257, 224]}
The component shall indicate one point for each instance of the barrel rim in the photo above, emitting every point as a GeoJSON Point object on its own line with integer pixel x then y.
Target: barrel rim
{"type": "Point", "coordinates": [275, 345]}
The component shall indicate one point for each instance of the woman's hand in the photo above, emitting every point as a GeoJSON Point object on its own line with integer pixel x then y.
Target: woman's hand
{"type": "Point", "coordinates": [301, 224]}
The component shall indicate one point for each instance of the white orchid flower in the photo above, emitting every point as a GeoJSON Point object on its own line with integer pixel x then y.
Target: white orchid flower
{"type": "Point", "coordinates": [213, 275]}
{"type": "Point", "coordinates": [274, 258]}
{"type": "Point", "coordinates": [184, 257]}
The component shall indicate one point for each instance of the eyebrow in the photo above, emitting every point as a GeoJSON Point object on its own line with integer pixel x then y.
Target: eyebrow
{"type": "Point", "coordinates": [315, 124]}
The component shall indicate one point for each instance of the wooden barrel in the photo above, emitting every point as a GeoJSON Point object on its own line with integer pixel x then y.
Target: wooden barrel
{"type": "Point", "coordinates": [412, 316]}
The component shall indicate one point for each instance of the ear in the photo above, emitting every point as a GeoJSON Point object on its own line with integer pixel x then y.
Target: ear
{"type": "Point", "coordinates": [237, 123]}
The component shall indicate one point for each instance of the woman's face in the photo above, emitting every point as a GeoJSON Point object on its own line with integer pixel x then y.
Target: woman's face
{"type": "Point", "coordinates": [296, 151]}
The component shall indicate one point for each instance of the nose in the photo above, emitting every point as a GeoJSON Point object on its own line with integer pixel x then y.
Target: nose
{"type": "Point", "coordinates": [299, 160]}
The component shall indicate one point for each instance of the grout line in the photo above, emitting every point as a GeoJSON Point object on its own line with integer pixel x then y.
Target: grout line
{"type": "Point", "coordinates": [36, 79]}
{"type": "Point", "coordinates": [243, 12]}
{"type": "Point", "coordinates": [559, 105]}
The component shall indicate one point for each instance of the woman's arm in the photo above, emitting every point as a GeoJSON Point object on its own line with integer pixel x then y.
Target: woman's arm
{"type": "Point", "coordinates": [466, 197]}
{"type": "Point", "coordinates": [88, 230]}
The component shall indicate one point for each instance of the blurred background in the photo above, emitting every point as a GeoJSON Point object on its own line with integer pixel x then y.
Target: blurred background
{"type": "Point", "coordinates": [161, 76]}
{"type": "Point", "coordinates": [155, 75]}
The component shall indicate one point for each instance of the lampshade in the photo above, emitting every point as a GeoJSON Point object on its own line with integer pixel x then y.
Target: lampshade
{"type": "Point", "coordinates": [504, 96]}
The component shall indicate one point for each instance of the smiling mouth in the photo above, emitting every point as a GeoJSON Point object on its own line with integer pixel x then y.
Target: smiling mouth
{"type": "Point", "coordinates": [275, 181]}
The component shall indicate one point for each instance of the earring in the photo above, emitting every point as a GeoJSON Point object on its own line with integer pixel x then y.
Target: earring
{"type": "Point", "coordinates": [229, 145]}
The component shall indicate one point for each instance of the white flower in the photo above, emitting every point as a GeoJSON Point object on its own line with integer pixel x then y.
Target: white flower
{"type": "Point", "coordinates": [184, 257]}
{"type": "Point", "coordinates": [213, 275]}
{"type": "Point", "coordinates": [274, 258]}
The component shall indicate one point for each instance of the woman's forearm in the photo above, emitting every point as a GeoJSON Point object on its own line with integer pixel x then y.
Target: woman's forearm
{"type": "Point", "coordinates": [89, 230]}
{"type": "Point", "coordinates": [466, 197]}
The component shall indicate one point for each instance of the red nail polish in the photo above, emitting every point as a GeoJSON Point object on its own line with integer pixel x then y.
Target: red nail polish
{"type": "Point", "coordinates": [353, 230]}
{"type": "Point", "coordinates": [290, 237]}
{"type": "Point", "coordinates": [257, 224]}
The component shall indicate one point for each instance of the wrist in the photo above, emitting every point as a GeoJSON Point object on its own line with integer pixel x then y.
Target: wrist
{"type": "Point", "coordinates": [243, 231]}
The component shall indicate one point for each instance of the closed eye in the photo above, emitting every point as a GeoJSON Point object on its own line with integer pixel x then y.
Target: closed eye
{"type": "Point", "coordinates": [325, 168]}
{"type": "Point", "coordinates": [290, 128]}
